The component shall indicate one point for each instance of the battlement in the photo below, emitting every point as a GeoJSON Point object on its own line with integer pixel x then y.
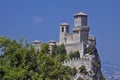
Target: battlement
{"type": "Point", "coordinates": [77, 62]}
{"type": "Point", "coordinates": [77, 59]}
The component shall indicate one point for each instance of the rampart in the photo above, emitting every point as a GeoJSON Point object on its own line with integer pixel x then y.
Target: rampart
{"type": "Point", "coordinates": [77, 62]}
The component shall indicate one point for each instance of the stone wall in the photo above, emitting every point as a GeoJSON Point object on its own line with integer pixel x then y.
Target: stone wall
{"type": "Point", "coordinates": [77, 62]}
{"type": "Point", "coordinates": [72, 47]}
{"type": "Point", "coordinates": [69, 38]}
{"type": "Point", "coordinates": [76, 37]}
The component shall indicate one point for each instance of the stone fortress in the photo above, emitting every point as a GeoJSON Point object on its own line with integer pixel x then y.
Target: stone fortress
{"type": "Point", "coordinates": [73, 42]}
{"type": "Point", "coordinates": [79, 40]}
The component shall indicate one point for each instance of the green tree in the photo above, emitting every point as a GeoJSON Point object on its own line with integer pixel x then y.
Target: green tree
{"type": "Point", "coordinates": [75, 54]}
{"type": "Point", "coordinates": [19, 62]}
{"type": "Point", "coordinates": [45, 48]}
{"type": "Point", "coordinates": [59, 50]}
{"type": "Point", "coordinates": [83, 70]}
{"type": "Point", "coordinates": [52, 68]}
{"type": "Point", "coordinates": [18, 59]}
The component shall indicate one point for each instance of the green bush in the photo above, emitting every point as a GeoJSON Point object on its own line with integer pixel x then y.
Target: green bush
{"type": "Point", "coordinates": [75, 54]}
{"type": "Point", "coordinates": [19, 62]}
{"type": "Point", "coordinates": [83, 70]}
{"type": "Point", "coordinates": [96, 64]}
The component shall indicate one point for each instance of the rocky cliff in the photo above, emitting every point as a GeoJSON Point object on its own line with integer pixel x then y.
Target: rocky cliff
{"type": "Point", "coordinates": [89, 66]}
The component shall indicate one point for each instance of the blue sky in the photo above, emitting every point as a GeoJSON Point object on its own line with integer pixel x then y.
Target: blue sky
{"type": "Point", "coordinates": [39, 19]}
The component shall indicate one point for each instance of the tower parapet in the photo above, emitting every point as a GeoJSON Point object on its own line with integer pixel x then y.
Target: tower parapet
{"type": "Point", "coordinates": [80, 19]}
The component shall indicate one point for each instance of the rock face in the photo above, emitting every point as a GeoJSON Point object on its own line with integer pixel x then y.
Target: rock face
{"type": "Point", "coordinates": [89, 66]}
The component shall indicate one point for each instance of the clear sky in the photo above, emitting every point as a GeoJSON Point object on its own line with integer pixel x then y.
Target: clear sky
{"type": "Point", "coordinates": [39, 19]}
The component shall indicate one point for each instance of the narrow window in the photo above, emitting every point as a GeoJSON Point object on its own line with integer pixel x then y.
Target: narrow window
{"type": "Point", "coordinates": [62, 29]}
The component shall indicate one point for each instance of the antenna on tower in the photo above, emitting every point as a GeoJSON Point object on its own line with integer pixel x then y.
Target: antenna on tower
{"type": "Point", "coordinates": [81, 10]}
{"type": "Point", "coordinates": [76, 10]}
{"type": "Point", "coordinates": [64, 20]}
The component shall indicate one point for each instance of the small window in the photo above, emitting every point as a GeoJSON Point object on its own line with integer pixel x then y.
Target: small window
{"type": "Point", "coordinates": [62, 29]}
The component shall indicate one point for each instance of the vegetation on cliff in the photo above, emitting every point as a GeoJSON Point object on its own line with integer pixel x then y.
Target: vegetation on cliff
{"type": "Point", "coordinates": [19, 61]}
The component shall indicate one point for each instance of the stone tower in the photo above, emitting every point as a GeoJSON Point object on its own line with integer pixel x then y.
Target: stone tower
{"type": "Point", "coordinates": [81, 29]}
{"type": "Point", "coordinates": [64, 31]}
{"type": "Point", "coordinates": [76, 41]}
{"type": "Point", "coordinates": [37, 45]}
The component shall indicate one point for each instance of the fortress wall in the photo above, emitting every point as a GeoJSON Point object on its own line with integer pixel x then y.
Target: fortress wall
{"type": "Point", "coordinates": [69, 38]}
{"type": "Point", "coordinates": [76, 37]}
{"type": "Point", "coordinates": [72, 47]}
{"type": "Point", "coordinates": [74, 62]}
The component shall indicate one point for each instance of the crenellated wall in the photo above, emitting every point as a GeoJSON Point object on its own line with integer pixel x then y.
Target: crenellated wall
{"type": "Point", "coordinates": [77, 62]}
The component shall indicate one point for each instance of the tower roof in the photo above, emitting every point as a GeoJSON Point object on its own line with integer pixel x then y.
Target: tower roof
{"type": "Point", "coordinates": [36, 41]}
{"type": "Point", "coordinates": [80, 14]}
{"type": "Point", "coordinates": [52, 41]}
{"type": "Point", "coordinates": [64, 24]}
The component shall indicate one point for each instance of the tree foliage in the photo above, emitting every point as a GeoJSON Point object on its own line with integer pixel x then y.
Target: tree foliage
{"type": "Point", "coordinates": [75, 54]}
{"type": "Point", "coordinates": [59, 50]}
{"type": "Point", "coordinates": [45, 48]}
{"type": "Point", "coordinates": [19, 62]}
{"type": "Point", "coordinates": [83, 70]}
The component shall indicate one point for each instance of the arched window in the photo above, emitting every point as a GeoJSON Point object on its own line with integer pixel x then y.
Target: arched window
{"type": "Point", "coordinates": [62, 29]}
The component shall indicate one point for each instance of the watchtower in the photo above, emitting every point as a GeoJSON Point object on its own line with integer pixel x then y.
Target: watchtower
{"type": "Point", "coordinates": [81, 29]}
{"type": "Point", "coordinates": [64, 30]}
{"type": "Point", "coordinates": [37, 45]}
